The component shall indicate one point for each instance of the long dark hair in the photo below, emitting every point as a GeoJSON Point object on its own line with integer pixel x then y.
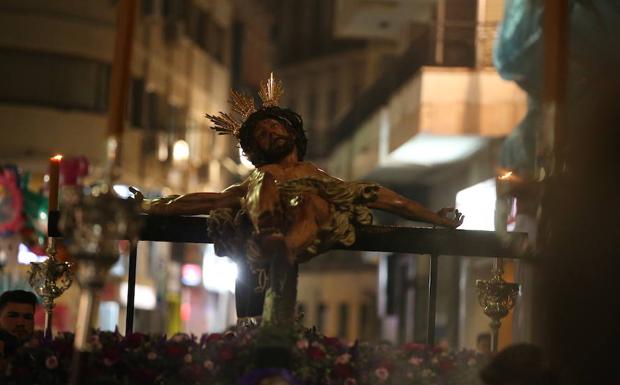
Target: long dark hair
{"type": "Point", "coordinates": [289, 118]}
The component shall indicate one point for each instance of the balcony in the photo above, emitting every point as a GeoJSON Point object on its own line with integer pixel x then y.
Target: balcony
{"type": "Point", "coordinates": [378, 19]}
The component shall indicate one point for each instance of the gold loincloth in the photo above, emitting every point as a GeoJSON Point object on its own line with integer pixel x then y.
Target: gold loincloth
{"type": "Point", "coordinates": [232, 232]}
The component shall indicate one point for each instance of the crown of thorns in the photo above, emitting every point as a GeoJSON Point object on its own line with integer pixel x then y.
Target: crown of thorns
{"type": "Point", "coordinates": [243, 104]}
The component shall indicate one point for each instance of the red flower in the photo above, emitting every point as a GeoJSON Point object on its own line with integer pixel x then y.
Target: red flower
{"type": "Point", "coordinates": [331, 341]}
{"type": "Point", "coordinates": [446, 365]}
{"type": "Point", "coordinates": [63, 349]}
{"type": "Point", "coordinates": [20, 371]}
{"type": "Point", "coordinates": [134, 340]}
{"type": "Point", "coordinates": [143, 375]}
{"type": "Point", "coordinates": [316, 353]}
{"type": "Point", "coordinates": [413, 346]}
{"type": "Point", "coordinates": [191, 372]}
{"type": "Point", "coordinates": [341, 371]}
{"type": "Point", "coordinates": [214, 337]}
{"type": "Point", "coordinates": [111, 355]}
{"type": "Point", "coordinates": [226, 353]}
{"type": "Point", "coordinates": [175, 351]}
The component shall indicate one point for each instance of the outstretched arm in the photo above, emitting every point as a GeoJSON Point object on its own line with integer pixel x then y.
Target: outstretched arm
{"type": "Point", "coordinates": [195, 203]}
{"type": "Point", "coordinates": [388, 200]}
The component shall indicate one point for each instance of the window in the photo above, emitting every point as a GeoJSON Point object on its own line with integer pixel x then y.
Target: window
{"type": "Point", "coordinates": [199, 35]}
{"type": "Point", "coordinates": [365, 319]}
{"type": "Point", "coordinates": [217, 41]}
{"type": "Point", "coordinates": [135, 108]}
{"type": "Point", "coordinates": [151, 111]}
{"type": "Point", "coordinates": [54, 80]}
{"type": "Point", "coordinates": [321, 316]}
{"type": "Point", "coordinates": [148, 7]}
{"type": "Point", "coordinates": [301, 310]}
{"type": "Point", "coordinates": [343, 320]}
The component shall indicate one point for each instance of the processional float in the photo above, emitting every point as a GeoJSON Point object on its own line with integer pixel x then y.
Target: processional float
{"type": "Point", "coordinates": [94, 222]}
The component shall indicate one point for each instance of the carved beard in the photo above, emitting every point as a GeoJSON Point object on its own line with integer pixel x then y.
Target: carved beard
{"type": "Point", "coordinates": [278, 149]}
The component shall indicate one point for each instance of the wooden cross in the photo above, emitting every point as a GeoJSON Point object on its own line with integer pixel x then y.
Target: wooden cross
{"type": "Point", "coordinates": [413, 240]}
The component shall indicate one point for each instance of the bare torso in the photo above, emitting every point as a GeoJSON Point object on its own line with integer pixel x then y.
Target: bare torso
{"type": "Point", "coordinates": [295, 171]}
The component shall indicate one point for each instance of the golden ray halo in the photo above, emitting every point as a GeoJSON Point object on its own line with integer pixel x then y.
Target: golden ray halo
{"type": "Point", "coordinates": [271, 90]}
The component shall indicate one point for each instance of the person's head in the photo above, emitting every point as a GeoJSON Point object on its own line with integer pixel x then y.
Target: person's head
{"type": "Point", "coordinates": [270, 134]}
{"type": "Point", "coordinates": [519, 364]}
{"type": "Point", "coordinates": [17, 313]}
{"type": "Point", "coordinates": [483, 343]}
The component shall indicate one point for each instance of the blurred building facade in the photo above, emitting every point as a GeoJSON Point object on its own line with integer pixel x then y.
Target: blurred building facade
{"type": "Point", "coordinates": [57, 60]}
{"type": "Point", "coordinates": [430, 127]}
{"type": "Point", "coordinates": [403, 93]}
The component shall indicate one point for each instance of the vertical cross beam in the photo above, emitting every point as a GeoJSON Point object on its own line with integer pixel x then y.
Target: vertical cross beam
{"type": "Point", "coordinates": [432, 300]}
{"type": "Point", "coordinates": [131, 287]}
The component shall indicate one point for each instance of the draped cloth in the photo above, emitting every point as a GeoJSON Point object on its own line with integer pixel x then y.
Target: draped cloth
{"type": "Point", "coordinates": [233, 234]}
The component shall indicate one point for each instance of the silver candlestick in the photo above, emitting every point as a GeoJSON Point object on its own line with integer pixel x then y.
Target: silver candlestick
{"type": "Point", "coordinates": [497, 297]}
{"type": "Point", "coordinates": [50, 279]}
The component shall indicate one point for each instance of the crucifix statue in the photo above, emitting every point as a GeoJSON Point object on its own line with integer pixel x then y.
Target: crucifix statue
{"type": "Point", "coordinates": [287, 210]}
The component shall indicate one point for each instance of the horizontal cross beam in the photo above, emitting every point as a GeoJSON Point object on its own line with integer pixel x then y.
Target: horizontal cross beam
{"type": "Point", "coordinates": [396, 239]}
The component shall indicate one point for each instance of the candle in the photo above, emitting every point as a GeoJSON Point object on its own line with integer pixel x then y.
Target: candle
{"type": "Point", "coordinates": [503, 183]}
{"type": "Point", "coordinates": [53, 183]}
{"type": "Point", "coordinates": [503, 201]}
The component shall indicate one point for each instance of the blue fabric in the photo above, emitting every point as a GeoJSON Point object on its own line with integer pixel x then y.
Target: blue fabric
{"type": "Point", "coordinates": [518, 48]}
{"type": "Point", "coordinates": [593, 56]}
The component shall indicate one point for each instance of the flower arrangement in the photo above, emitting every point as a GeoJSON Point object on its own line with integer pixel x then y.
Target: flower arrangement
{"type": "Point", "coordinates": [230, 358]}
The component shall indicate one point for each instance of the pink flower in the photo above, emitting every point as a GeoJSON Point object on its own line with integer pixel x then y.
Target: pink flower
{"type": "Point", "coordinates": [151, 356]}
{"type": "Point", "coordinates": [343, 359]}
{"type": "Point", "coordinates": [108, 362]}
{"type": "Point", "coordinates": [409, 375]}
{"type": "Point", "coordinates": [350, 381]}
{"type": "Point", "coordinates": [208, 364]}
{"type": "Point", "coordinates": [382, 373]}
{"type": "Point", "coordinates": [415, 361]}
{"type": "Point", "coordinates": [51, 362]}
{"type": "Point", "coordinates": [302, 344]}
{"type": "Point", "coordinates": [187, 358]}
{"type": "Point", "coordinates": [471, 362]}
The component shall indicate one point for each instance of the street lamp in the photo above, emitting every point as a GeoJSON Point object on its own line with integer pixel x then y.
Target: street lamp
{"type": "Point", "coordinates": [180, 151]}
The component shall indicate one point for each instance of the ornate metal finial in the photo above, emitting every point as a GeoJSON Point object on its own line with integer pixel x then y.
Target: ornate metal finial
{"type": "Point", "coordinates": [50, 279]}
{"type": "Point", "coordinates": [497, 297]}
{"type": "Point", "coordinates": [271, 91]}
{"type": "Point", "coordinates": [243, 105]}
